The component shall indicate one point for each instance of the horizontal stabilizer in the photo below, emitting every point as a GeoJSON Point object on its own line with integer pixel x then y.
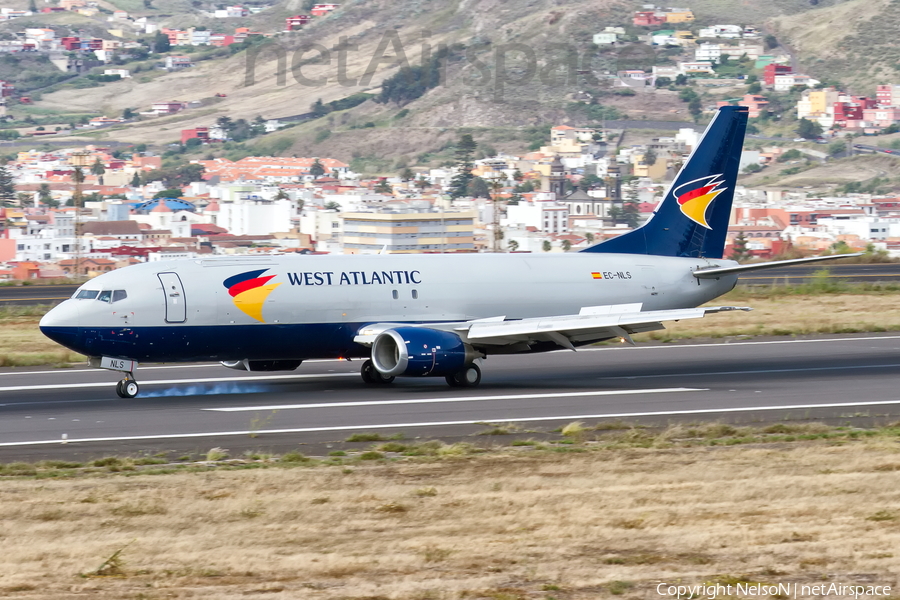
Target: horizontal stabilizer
{"type": "Point", "coordinates": [713, 272]}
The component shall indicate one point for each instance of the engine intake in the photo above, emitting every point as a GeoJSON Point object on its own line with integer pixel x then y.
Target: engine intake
{"type": "Point", "coordinates": [262, 365]}
{"type": "Point", "coordinates": [419, 352]}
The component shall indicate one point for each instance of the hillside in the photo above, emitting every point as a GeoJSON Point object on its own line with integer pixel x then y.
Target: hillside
{"type": "Point", "coordinates": [878, 170]}
{"type": "Point", "coordinates": [847, 43]}
{"type": "Point", "coordinates": [507, 73]}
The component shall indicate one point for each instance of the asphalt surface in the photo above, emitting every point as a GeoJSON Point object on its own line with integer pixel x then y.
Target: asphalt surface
{"type": "Point", "coordinates": [874, 273]}
{"type": "Point", "coordinates": [29, 295]}
{"type": "Point", "coordinates": [75, 413]}
{"type": "Point", "coordinates": [890, 272]}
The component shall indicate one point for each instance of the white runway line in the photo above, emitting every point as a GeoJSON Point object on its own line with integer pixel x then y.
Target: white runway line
{"type": "Point", "coordinates": [503, 419]}
{"type": "Point", "coordinates": [456, 399]}
{"type": "Point", "coordinates": [62, 386]}
{"type": "Point", "coordinates": [752, 372]}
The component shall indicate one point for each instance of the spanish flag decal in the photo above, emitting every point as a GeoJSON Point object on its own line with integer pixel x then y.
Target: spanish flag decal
{"type": "Point", "coordinates": [695, 197]}
{"type": "Point", "coordinates": [597, 275]}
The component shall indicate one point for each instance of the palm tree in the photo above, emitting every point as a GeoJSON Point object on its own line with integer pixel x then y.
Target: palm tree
{"type": "Point", "coordinates": [545, 246]}
{"type": "Point", "coordinates": [566, 245]}
{"type": "Point", "coordinates": [513, 245]}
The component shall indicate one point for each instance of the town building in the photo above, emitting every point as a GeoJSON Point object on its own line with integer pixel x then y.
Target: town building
{"type": "Point", "coordinates": [408, 232]}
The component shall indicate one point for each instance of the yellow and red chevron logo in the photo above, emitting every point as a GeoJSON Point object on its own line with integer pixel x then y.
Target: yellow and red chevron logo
{"type": "Point", "coordinates": [249, 291]}
{"type": "Point", "coordinates": [694, 197]}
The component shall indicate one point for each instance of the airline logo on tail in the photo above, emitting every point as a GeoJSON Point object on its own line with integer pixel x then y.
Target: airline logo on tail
{"type": "Point", "coordinates": [694, 197]}
{"type": "Point", "coordinates": [249, 291]}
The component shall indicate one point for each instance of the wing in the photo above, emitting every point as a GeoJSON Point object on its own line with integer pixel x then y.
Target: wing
{"type": "Point", "coordinates": [591, 324]}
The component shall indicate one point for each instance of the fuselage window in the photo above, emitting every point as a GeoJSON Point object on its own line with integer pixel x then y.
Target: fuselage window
{"type": "Point", "coordinates": [395, 294]}
{"type": "Point", "coordinates": [415, 294]}
{"type": "Point", "coordinates": [87, 294]}
{"type": "Point", "coordinates": [105, 296]}
{"type": "Point", "coordinates": [119, 295]}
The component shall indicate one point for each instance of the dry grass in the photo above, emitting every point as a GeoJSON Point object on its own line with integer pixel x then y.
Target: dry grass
{"type": "Point", "coordinates": [509, 525]}
{"type": "Point", "coordinates": [23, 344]}
{"type": "Point", "coordinates": [790, 315]}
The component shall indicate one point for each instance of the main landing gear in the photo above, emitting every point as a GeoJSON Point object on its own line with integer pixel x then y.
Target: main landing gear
{"type": "Point", "coordinates": [371, 375]}
{"type": "Point", "coordinates": [128, 387]}
{"type": "Point", "coordinates": [469, 376]}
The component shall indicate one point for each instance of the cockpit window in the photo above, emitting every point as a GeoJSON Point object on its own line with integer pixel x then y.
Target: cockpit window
{"type": "Point", "coordinates": [87, 294]}
{"type": "Point", "coordinates": [105, 295]}
{"type": "Point", "coordinates": [119, 295]}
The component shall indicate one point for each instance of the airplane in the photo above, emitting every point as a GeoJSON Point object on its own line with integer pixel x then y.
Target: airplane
{"type": "Point", "coordinates": [409, 315]}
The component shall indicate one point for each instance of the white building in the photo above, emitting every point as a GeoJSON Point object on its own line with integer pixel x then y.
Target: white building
{"type": "Point", "coordinates": [605, 38]}
{"type": "Point", "coordinates": [255, 217]}
{"type": "Point", "coordinates": [784, 83]}
{"type": "Point", "coordinates": [722, 31]}
{"type": "Point", "coordinates": [708, 52]}
{"type": "Point", "coordinates": [548, 217]}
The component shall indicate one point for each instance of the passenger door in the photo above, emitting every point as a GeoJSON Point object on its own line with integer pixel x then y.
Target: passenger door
{"type": "Point", "coordinates": [176, 310]}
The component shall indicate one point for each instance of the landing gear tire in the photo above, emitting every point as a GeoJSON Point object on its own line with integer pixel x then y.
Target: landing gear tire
{"type": "Point", "coordinates": [127, 388]}
{"type": "Point", "coordinates": [371, 376]}
{"type": "Point", "coordinates": [468, 376]}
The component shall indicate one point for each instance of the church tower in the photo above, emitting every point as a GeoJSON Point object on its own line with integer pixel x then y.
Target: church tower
{"type": "Point", "coordinates": [556, 183]}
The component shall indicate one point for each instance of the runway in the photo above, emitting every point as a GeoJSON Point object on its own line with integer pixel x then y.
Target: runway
{"type": "Point", "coordinates": [75, 414]}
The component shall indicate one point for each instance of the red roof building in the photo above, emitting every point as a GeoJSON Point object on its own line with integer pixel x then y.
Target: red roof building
{"type": "Point", "coordinates": [772, 69]}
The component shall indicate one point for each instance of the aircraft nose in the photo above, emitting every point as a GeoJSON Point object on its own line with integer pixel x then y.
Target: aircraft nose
{"type": "Point", "coordinates": [61, 325]}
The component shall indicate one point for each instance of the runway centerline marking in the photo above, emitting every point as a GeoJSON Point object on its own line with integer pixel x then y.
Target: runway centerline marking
{"type": "Point", "coordinates": [457, 399]}
{"type": "Point", "coordinates": [495, 419]}
{"type": "Point", "coordinates": [756, 372]}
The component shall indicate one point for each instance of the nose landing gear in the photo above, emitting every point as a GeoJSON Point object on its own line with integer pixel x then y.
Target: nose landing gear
{"type": "Point", "coordinates": [128, 387]}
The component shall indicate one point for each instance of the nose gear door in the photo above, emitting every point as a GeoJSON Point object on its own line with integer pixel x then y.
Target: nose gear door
{"type": "Point", "coordinates": [176, 311]}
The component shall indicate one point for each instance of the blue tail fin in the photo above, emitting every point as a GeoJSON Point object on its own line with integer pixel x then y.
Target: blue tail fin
{"type": "Point", "coordinates": [692, 219]}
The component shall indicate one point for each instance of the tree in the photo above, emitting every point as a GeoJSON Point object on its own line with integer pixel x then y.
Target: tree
{"type": "Point", "coordinates": [281, 195]}
{"type": "Point", "coordinates": [7, 186]}
{"type": "Point", "coordinates": [566, 245]}
{"type": "Point", "coordinates": [546, 246]}
{"type": "Point", "coordinates": [332, 206]}
{"type": "Point", "coordinates": [225, 123]}
{"type": "Point", "coordinates": [809, 129]}
{"type": "Point", "coordinates": [407, 174]}
{"type": "Point", "coordinates": [771, 42]}
{"type": "Point", "coordinates": [513, 245]}
{"type": "Point", "coordinates": [478, 188]}
{"type": "Point", "coordinates": [97, 168]}
{"type": "Point", "coordinates": [161, 42]}
{"type": "Point", "coordinates": [128, 113]}
{"type": "Point", "coordinates": [589, 181]}
{"type": "Point", "coordinates": [518, 176]}
{"type": "Point", "coordinates": [465, 150]}
{"type": "Point", "coordinates": [650, 157]}
{"type": "Point", "coordinates": [422, 183]}
{"type": "Point", "coordinates": [754, 88]}
{"type": "Point", "coordinates": [136, 180]}
{"type": "Point", "coordinates": [589, 237]}
{"type": "Point", "coordinates": [383, 187]}
{"type": "Point", "coordinates": [46, 197]}
{"type": "Point", "coordinates": [317, 169]}
{"type": "Point", "coordinates": [739, 250]}
{"type": "Point", "coordinates": [173, 193]}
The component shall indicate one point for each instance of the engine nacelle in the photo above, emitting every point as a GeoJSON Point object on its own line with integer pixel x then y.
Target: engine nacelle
{"type": "Point", "coordinates": [419, 352]}
{"type": "Point", "coordinates": [262, 365]}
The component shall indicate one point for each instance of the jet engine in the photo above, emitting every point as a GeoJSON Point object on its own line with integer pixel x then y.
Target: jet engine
{"type": "Point", "coordinates": [262, 365]}
{"type": "Point", "coordinates": [420, 352]}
